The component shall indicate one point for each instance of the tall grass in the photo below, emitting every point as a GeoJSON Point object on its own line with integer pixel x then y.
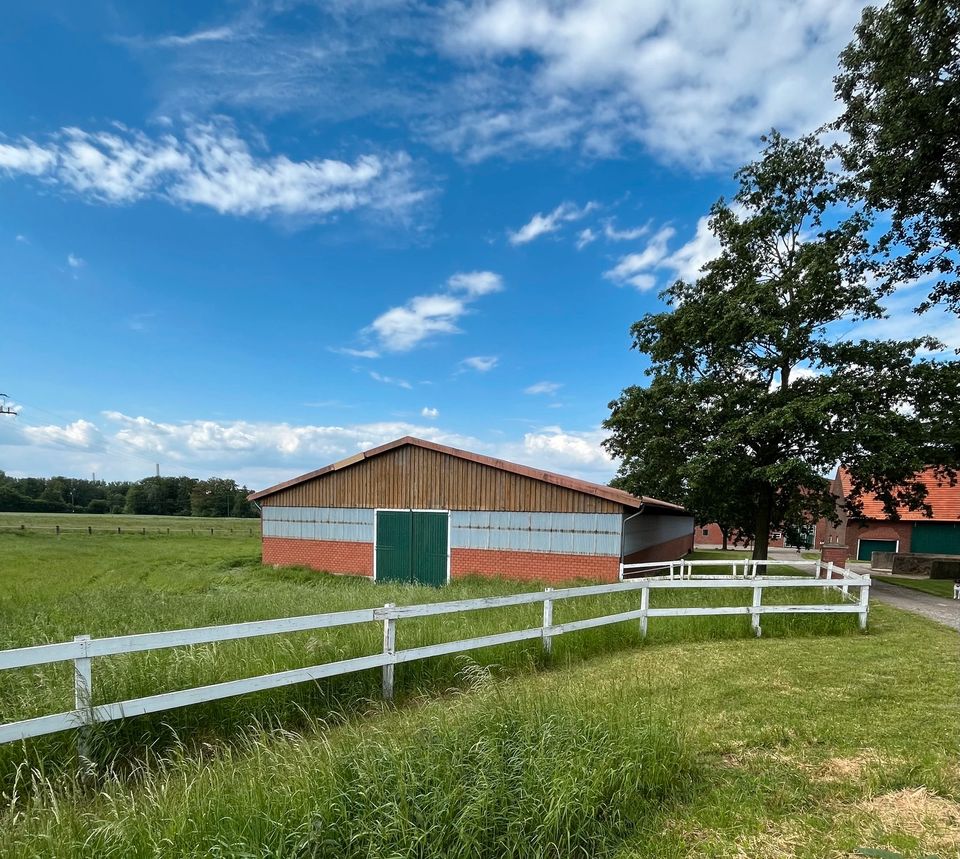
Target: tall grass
{"type": "Point", "coordinates": [108, 587]}
{"type": "Point", "coordinates": [490, 775]}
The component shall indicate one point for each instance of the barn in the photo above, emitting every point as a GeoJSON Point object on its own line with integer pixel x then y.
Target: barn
{"type": "Point", "coordinates": [415, 511]}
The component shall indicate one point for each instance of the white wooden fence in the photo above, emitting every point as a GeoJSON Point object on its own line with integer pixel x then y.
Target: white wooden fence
{"type": "Point", "coordinates": [84, 649]}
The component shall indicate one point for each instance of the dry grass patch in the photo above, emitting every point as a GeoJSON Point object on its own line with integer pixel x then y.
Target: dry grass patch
{"type": "Point", "coordinates": [917, 812]}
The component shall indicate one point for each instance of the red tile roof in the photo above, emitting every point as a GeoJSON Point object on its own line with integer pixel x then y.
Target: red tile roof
{"type": "Point", "coordinates": [944, 499]}
{"type": "Point", "coordinates": [618, 496]}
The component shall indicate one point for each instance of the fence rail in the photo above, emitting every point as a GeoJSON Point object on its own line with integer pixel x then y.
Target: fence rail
{"type": "Point", "coordinates": [141, 530]}
{"type": "Point", "coordinates": [84, 649]}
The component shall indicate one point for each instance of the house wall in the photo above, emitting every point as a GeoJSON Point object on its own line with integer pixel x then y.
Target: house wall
{"type": "Point", "coordinates": [711, 535]}
{"type": "Point", "coordinates": [877, 529]}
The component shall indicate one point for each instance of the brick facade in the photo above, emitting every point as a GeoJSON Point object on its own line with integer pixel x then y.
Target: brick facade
{"type": "Point", "coordinates": [873, 529]}
{"type": "Point", "coordinates": [334, 557]}
{"type": "Point", "coordinates": [550, 567]}
{"type": "Point", "coordinates": [714, 538]}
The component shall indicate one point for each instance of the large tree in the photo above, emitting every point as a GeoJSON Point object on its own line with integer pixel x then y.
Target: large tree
{"type": "Point", "coordinates": [754, 394]}
{"type": "Point", "coordinates": [900, 82]}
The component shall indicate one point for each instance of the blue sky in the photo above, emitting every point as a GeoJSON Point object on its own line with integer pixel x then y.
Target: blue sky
{"type": "Point", "coordinates": [249, 238]}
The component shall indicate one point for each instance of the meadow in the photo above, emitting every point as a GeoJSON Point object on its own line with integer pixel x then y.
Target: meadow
{"type": "Point", "coordinates": [698, 740]}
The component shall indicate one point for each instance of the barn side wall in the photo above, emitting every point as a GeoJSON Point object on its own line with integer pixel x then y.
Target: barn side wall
{"type": "Point", "coordinates": [542, 546]}
{"type": "Point", "coordinates": [656, 537]}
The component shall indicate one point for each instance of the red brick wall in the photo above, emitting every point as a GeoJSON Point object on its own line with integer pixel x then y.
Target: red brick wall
{"type": "Point", "coordinates": [837, 554]}
{"type": "Point", "coordinates": [549, 567]}
{"type": "Point", "coordinates": [327, 555]}
{"type": "Point", "coordinates": [878, 530]}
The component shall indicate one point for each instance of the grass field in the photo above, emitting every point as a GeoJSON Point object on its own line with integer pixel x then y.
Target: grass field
{"type": "Point", "coordinates": [937, 587]}
{"type": "Point", "coordinates": [81, 523]}
{"type": "Point", "coordinates": [812, 741]}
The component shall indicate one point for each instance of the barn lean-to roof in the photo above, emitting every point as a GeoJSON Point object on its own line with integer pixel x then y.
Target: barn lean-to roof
{"type": "Point", "coordinates": [617, 496]}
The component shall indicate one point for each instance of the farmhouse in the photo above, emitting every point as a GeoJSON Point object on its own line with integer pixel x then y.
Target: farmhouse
{"type": "Point", "coordinates": [414, 511]}
{"type": "Point", "coordinates": [913, 531]}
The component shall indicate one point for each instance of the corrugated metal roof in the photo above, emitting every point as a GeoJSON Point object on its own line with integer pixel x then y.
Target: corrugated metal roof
{"type": "Point", "coordinates": [944, 499]}
{"type": "Point", "coordinates": [609, 493]}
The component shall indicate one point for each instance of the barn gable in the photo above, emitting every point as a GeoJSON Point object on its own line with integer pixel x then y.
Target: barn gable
{"type": "Point", "coordinates": [418, 475]}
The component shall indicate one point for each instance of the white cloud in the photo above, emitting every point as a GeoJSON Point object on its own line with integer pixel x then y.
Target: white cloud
{"type": "Point", "coordinates": [629, 235]}
{"type": "Point", "coordinates": [687, 261]}
{"type": "Point", "coordinates": [568, 450]}
{"type": "Point", "coordinates": [475, 283]}
{"type": "Point", "coordinates": [390, 380]}
{"type": "Point", "coordinates": [211, 165]}
{"type": "Point", "coordinates": [480, 363]}
{"type": "Point", "coordinates": [541, 225]}
{"type": "Point", "coordinates": [214, 34]}
{"type": "Point", "coordinates": [585, 237]}
{"type": "Point", "coordinates": [80, 433]}
{"type": "Point", "coordinates": [22, 239]}
{"type": "Point", "coordinates": [428, 412]}
{"type": "Point", "coordinates": [75, 262]}
{"type": "Point", "coordinates": [549, 388]}
{"type": "Point", "coordinates": [695, 83]}
{"type": "Point", "coordinates": [636, 268]}
{"type": "Point", "coordinates": [121, 446]}
{"type": "Point", "coordinates": [401, 329]}
{"type": "Point", "coordinates": [25, 157]}
{"type": "Point", "coordinates": [354, 353]}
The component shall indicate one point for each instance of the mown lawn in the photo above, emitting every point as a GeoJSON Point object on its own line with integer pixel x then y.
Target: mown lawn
{"type": "Point", "coordinates": [937, 587]}
{"type": "Point", "coordinates": [702, 741]}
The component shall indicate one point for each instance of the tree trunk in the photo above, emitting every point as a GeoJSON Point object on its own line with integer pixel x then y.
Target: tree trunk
{"type": "Point", "coordinates": [724, 532]}
{"type": "Point", "coordinates": [761, 539]}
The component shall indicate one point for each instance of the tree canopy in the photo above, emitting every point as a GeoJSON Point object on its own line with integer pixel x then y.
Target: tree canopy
{"type": "Point", "coordinates": [754, 394]}
{"type": "Point", "coordinates": [900, 83]}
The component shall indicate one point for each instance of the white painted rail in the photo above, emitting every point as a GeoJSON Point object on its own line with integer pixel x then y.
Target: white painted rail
{"type": "Point", "coordinates": [84, 649]}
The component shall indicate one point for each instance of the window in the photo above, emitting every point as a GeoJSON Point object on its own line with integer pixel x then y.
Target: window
{"type": "Point", "coordinates": [706, 532]}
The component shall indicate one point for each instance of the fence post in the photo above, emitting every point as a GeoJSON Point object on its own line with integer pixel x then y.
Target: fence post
{"type": "Point", "coordinates": [547, 623]}
{"type": "Point", "coordinates": [644, 608]}
{"type": "Point", "coordinates": [830, 570]}
{"type": "Point", "coordinates": [389, 647]}
{"type": "Point", "coordinates": [754, 614]}
{"type": "Point", "coordinates": [83, 695]}
{"type": "Point", "coordinates": [864, 603]}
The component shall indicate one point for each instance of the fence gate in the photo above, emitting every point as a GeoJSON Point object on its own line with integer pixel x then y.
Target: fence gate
{"type": "Point", "coordinates": [412, 546]}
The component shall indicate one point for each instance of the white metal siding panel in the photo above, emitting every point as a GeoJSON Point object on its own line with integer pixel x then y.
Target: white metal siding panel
{"type": "Point", "coordinates": [339, 524]}
{"type": "Point", "coordinates": [567, 533]}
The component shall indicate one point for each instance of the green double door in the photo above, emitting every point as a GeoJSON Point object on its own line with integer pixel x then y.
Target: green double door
{"type": "Point", "coordinates": [412, 547]}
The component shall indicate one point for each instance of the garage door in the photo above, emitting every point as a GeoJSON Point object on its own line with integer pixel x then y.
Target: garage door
{"type": "Point", "coordinates": [936, 538]}
{"type": "Point", "coordinates": [868, 547]}
{"type": "Point", "coordinates": [411, 547]}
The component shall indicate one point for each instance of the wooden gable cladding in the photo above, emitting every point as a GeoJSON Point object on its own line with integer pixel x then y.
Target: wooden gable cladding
{"type": "Point", "coordinates": [412, 477]}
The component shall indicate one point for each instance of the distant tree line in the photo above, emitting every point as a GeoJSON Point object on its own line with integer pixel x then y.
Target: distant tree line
{"type": "Point", "coordinates": [152, 496]}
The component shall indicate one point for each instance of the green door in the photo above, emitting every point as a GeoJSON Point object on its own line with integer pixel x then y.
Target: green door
{"type": "Point", "coordinates": [429, 548]}
{"type": "Point", "coordinates": [868, 547]}
{"type": "Point", "coordinates": [936, 538]}
{"type": "Point", "coordinates": [394, 532]}
{"type": "Point", "coordinates": [412, 547]}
